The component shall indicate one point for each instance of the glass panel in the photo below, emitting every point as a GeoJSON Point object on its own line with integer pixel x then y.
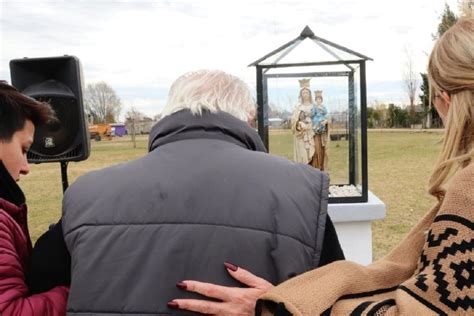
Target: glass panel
{"type": "Point", "coordinates": [353, 187]}
{"type": "Point", "coordinates": [303, 128]}
{"type": "Point", "coordinates": [308, 50]}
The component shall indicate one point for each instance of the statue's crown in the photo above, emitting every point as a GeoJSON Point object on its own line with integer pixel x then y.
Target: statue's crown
{"type": "Point", "coordinates": [304, 83]}
{"type": "Point", "coordinates": [318, 93]}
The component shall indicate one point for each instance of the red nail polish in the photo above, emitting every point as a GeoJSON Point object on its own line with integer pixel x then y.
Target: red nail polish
{"type": "Point", "coordinates": [181, 285]}
{"type": "Point", "coordinates": [231, 266]}
{"type": "Point", "coordinates": [173, 305]}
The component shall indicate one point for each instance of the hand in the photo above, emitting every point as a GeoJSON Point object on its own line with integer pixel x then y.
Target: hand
{"type": "Point", "coordinates": [234, 300]}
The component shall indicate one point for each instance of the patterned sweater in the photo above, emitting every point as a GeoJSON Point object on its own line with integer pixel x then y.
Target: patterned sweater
{"type": "Point", "coordinates": [431, 272]}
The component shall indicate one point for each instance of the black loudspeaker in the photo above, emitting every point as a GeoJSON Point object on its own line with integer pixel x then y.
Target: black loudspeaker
{"type": "Point", "coordinates": [57, 81]}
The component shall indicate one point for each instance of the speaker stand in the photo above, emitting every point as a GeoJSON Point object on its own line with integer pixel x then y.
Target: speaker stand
{"type": "Point", "coordinates": [64, 175]}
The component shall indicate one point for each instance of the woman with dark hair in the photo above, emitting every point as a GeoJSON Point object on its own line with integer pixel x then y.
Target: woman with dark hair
{"type": "Point", "coordinates": [19, 115]}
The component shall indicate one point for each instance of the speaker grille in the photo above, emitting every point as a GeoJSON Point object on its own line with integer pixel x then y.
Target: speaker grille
{"type": "Point", "coordinates": [73, 154]}
{"type": "Point", "coordinates": [57, 81]}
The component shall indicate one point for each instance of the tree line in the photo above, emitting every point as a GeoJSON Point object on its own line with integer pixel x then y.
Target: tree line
{"type": "Point", "coordinates": [393, 116]}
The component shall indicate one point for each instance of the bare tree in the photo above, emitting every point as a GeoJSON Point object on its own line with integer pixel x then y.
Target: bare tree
{"type": "Point", "coordinates": [410, 78]}
{"type": "Point", "coordinates": [102, 102]}
{"type": "Point", "coordinates": [132, 119]}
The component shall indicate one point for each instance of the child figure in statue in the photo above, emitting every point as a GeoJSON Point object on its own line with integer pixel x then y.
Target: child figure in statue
{"type": "Point", "coordinates": [303, 128]}
{"type": "Point", "coordinates": [321, 132]}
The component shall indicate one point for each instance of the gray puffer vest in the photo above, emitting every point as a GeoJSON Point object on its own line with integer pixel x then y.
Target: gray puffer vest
{"type": "Point", "coordinates": [207, 193]}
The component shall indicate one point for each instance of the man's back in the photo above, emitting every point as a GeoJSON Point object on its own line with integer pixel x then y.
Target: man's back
{"type": "Point", "coordinates": [205, 194]}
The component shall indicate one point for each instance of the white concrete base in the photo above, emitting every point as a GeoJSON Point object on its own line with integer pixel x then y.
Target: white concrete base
{"type": "Point", "coordinates": [353, 226]}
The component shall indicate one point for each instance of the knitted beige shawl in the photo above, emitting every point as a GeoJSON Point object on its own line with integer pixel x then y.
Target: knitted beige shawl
{"type": "Point", "coordinates": [431, 272]}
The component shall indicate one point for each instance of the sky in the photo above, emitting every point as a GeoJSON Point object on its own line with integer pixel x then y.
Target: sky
{"type": "Point", "coordinates": [140, 47]}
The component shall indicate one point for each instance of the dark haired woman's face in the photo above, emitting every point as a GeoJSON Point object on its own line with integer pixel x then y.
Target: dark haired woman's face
{"type": "Point", "coordinates": [13, 153]}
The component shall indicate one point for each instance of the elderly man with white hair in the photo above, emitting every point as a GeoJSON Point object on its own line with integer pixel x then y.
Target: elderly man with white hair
{"type": "Point", "coordinates": [206, 200]}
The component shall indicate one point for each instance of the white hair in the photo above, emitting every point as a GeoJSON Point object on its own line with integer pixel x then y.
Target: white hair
{"type": "Point", "coordinates": [211, 90]}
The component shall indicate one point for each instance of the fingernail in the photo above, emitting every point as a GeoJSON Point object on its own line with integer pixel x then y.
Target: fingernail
{"type": "Point", "coordinates": [231, 266]}
{"type": "Point", "coordinates": [181, 285]}
{"type": "Point", "coordinates": [173, 305]}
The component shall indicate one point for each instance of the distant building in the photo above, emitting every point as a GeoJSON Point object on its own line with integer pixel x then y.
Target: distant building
{"type": "Point", "coordinates": [119, 129]}
{"type": "Point", "coordinates": [142, 126]}
{"type": "Point", "coordinates": [275, 122]}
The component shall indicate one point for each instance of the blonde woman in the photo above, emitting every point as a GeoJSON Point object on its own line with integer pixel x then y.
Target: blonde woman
{"type": "Point", "coordinates": [431, 271]}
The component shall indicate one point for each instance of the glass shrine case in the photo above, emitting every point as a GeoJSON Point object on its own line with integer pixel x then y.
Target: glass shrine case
{"type": "Point", "coordinates": [312, 104]}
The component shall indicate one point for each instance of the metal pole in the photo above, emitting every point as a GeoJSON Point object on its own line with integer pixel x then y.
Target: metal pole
{"type": "Point", "coordinates": [363, 123]}
{"type": "Point", "coordinates": [261, 107]}
{"type": "Point", "coordinates": [64, 175]}
{"type": "Point", "coordinates": [352, 131]}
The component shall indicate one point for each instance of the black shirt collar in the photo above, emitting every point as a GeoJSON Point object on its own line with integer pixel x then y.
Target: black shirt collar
{"type": "Point", "coordinates": [9, 189]}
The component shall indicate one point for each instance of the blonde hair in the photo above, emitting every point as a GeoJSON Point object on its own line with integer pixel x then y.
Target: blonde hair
{"type": "Point", "coordinates": [451, 70]}
{"type": "Point", "coordinates": [211, 90]}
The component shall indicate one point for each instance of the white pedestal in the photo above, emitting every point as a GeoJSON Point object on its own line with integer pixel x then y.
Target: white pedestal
{"type": "Point", "coordinates": [353, 226]}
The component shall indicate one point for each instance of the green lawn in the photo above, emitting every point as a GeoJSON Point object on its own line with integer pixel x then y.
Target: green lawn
{"type": "Point", "coordinates": [399, 166]}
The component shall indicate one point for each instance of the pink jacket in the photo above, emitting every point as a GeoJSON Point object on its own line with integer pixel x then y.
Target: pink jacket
{"type": "Point", "coordinates": [15, 250]}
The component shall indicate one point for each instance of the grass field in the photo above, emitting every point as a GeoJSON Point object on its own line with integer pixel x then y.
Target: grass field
{"type": "Point", "coordinates": [399, 166]}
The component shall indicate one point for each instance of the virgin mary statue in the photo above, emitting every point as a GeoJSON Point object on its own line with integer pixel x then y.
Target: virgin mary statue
{"type": "Point", "coordinates": [302, 126]}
